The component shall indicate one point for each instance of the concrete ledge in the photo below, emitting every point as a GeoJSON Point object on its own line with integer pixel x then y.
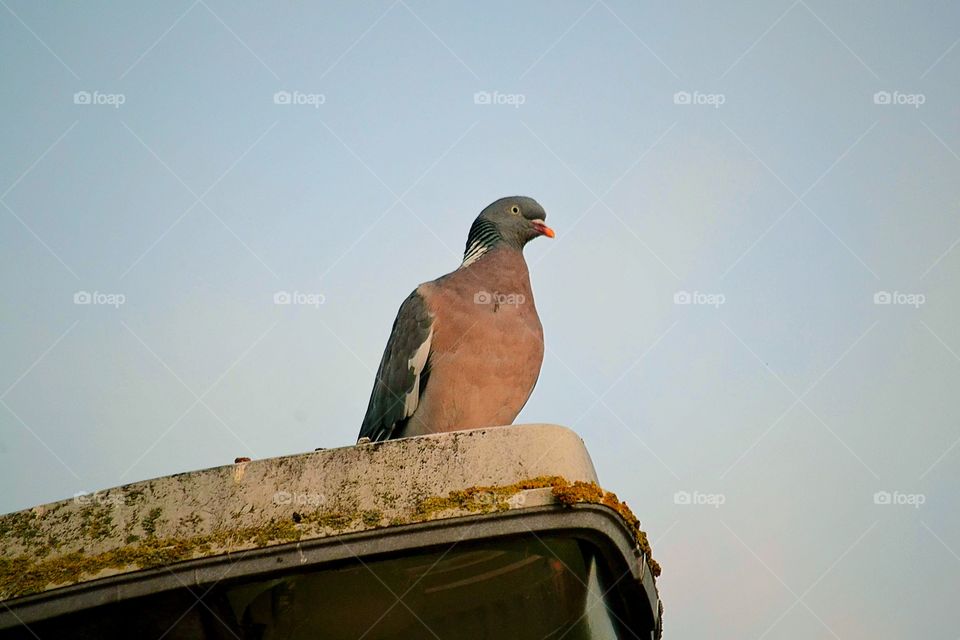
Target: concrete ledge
{"type": "Point", "coordinates": [293, 498]}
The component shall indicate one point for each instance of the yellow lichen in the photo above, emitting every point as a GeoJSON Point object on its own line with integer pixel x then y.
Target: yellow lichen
{"type": "Point", "coordinates": [22, 575]}
{"type": "Point", "coordinates": [570, 494]}
{"type": "Point", "coordinates": [481, 499]}
{"type": "Point", "coordinates": [496, 498]}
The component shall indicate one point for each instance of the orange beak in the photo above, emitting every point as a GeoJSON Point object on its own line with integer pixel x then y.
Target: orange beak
{"type": "Point", "coordinates": [543, 229]}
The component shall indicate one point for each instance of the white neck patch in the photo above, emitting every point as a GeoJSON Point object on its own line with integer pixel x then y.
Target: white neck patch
{"type": "Point", "coordinates": [474, 252]}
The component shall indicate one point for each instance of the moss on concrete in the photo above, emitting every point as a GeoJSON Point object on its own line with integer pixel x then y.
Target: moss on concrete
{"type": "Point", "coordinates": [96, 522]}
{"type": "Point", "coordinates": [22, 526]}
{"type": "Point", "coordinates": [488, 499]}
{"type": "Point", "coordinates": [371, 518]}
{"type": "Point", "coordinates": [480, 499]}
{"type": "Point", "coordinates": [30, 573]}
{"type": "Point", "coordinates": [570, 494]}
{"type": "Point", "coordinates": [150, 522]}
{"type": "Point", "coordinates": [21, 575]}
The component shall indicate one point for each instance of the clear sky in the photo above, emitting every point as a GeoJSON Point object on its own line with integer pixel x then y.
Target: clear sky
{"type": "Point", "coordinates": [781, 162]}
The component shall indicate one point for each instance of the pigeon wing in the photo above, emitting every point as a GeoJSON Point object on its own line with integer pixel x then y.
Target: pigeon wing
{"type": "Point", "coordinates": [403, 372]}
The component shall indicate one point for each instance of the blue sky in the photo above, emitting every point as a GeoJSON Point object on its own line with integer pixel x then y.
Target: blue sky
{"type": "Point", "coordinates": [785, 161]}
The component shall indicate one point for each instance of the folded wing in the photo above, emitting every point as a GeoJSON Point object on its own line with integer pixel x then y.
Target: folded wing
{"type": "Point", "coordinates": [403, 372]}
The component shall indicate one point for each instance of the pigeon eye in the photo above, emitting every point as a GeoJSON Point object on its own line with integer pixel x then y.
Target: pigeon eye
{"type": "Point", "coordinates": [515, 209]}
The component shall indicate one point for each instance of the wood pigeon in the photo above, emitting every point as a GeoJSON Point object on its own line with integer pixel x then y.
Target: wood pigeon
{"type": "Point", "coordinates": [465, 350]}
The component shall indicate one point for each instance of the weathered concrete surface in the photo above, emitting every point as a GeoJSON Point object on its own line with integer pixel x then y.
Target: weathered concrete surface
{"type": "Point", "coordinates": [263, 502]}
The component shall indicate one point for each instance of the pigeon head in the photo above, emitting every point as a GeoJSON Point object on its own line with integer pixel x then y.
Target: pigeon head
{"type": "Point", "coordinates": [512, 221]}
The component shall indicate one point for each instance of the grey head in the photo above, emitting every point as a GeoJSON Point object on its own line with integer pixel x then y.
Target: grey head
{"type": "Point", "coordinates": [512, 221]}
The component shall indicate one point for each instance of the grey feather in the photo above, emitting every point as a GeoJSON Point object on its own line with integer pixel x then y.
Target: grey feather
{"type": "Point", "coordinates": [402, 375]}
